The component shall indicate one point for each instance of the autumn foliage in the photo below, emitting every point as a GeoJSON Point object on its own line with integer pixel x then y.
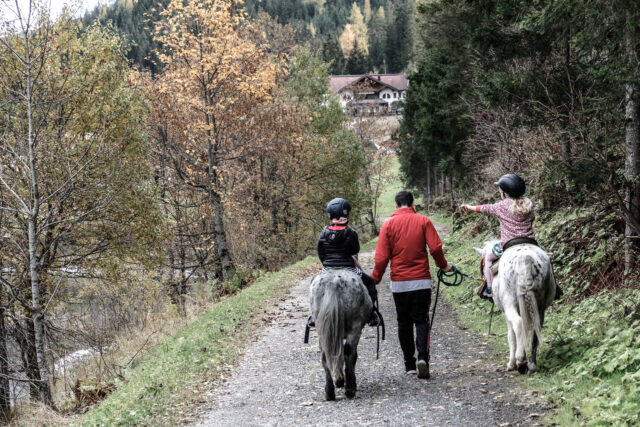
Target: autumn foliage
{"type": "Point", "coordinates": [121, 191]}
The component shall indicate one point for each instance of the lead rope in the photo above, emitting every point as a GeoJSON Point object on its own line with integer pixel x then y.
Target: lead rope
{"type": "Point", "coordinates": [458, 277]}
{"type": "Point", "coordinates": [378, 326]}
{"type": "Point", "coordinates": [493, 304]}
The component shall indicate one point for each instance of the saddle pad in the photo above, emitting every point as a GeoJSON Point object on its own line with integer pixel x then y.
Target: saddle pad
{"type": "Point", "coordinates": [494, 267]}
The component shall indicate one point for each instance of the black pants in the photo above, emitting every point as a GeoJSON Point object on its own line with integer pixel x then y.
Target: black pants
{"type": "Point", "coordinates": [412, 309]}
{"type": "Point", "coordinates": [371, 286]}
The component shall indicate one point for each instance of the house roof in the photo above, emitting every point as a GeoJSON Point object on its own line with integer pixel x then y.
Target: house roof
{"type": "Point", "coordinates": [394, 81]}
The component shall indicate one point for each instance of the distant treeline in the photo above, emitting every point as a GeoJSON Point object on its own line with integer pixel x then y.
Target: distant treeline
{"type": "Point", "coordinates": [355, 37]}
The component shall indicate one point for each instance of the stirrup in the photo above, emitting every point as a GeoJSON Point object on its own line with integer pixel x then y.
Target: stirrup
{"type": "Point", "coordinates": [311, 322]}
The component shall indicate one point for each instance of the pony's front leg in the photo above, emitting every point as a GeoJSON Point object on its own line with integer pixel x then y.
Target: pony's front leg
{"type": "Point", "coordinates": [329, 388]}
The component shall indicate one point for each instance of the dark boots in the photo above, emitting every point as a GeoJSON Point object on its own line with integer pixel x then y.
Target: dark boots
{"type": "Point", "coordinates": [484, 291]}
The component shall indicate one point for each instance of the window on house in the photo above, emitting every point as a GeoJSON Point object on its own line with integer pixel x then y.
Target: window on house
{"type": "Point", "coordinates": [395, 94]}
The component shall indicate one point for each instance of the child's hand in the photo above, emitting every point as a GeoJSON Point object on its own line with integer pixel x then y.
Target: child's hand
{"type": "Point", "coordinates": [466, 208]}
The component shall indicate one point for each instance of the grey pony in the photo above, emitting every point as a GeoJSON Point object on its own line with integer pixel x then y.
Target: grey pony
{"type": "Point", "coordinates": [341, 307]}
{"type": "Point", "coordinates": [523, 289]}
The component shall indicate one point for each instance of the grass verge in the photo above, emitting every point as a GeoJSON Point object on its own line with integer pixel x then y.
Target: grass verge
{"type": "Point", "coordinates": [589, 362]}
{"type": "Point", "coordinates": [164, 383]}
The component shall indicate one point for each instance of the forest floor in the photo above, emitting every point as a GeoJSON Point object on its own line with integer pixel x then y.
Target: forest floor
{"type": "Point", "coordinates": [280, 381]}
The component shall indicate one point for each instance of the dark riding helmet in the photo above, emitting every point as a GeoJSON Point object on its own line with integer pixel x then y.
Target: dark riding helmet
{"type": "Point", "coordinates": [512, 185]}
{"type": "Point", "coordinates": [338, 208]}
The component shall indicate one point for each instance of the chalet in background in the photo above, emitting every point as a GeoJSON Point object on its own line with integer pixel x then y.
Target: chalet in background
{"type": "Point", "coordinates": [369, 94]}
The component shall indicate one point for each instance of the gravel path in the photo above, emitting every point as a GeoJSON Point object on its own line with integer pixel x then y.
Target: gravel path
{"type": "Point", "coordinates": [280, 380]}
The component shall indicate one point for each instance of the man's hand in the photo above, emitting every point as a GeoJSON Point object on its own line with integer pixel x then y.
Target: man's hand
{"type": "Point", "coordinates": [448, 268]}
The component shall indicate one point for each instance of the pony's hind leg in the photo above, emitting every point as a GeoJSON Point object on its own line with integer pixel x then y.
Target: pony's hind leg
{"type": "Point", "coordinates": [511, 336]}
{"type": "Point", "coordinates": [516, 348]}
{"type": "Point", "coordinates": [532, 364]}
{"type": "Point", "coordinates": [350, 357]}
{"type": "Point", "coordinates": [329, 389]}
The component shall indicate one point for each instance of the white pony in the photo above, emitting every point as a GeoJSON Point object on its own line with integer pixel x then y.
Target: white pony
{"type": "Point", "coordinates": [523, 288]}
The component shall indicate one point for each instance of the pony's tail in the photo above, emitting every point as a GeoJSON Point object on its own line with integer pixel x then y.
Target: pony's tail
{"type": "Point", "coordinates": [527, 303]}
{"type": "Point", "coordinates": [330, 326]}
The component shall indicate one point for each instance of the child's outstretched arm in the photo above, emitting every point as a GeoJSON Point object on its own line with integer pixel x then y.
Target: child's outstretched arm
{"type": "Point", "coordinates": [470, 208]}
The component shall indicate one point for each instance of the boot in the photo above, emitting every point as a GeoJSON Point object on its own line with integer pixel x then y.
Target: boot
{"type": "Point", "coordinates": [484, 291]}
{"type": "Point", "coordinates": [374, 320]}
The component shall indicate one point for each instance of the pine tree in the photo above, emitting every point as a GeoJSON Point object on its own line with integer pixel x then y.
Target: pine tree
{"type": "Point", "coordinates": [332, 54]}
{"type": "Point", "coordinates": [377, 39]}
{"type": "Point", "coordinates": [357, 63]}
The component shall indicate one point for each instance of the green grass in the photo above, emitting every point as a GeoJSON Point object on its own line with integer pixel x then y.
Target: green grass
{"type": "Point", "coordinates": [386, 201]}
{"type": "Point", "coordinates": [166, 380]}
{"type": "Point", "coordinates": [589, 362]}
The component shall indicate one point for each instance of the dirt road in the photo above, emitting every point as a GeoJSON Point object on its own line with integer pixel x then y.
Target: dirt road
{"type": "Point", "coordinates": [280, 380]}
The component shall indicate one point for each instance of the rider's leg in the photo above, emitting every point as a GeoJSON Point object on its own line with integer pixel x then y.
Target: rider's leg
{"type": "Point", "coordinates": [370, 284]}
{"type": "Point", "coordinates": [488, 262]}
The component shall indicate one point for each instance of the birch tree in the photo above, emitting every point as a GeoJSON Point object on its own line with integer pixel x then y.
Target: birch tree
{"type": "Point", "coordinates": [74, 190]}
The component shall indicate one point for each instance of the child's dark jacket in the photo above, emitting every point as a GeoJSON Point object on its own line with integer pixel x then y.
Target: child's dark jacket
{"type": "Point", "coordinates": [337, 245]}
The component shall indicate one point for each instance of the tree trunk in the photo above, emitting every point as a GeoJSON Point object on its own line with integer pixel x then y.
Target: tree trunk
{"type": "Point", "coordinates": [222, 259]}
{"type": "Point", "coordinates": [43, 385]}
{"type": "Point", "coordinates": [25, 336]}
{"type": "Point", "coordinates": [5, 396]}
{"type": "Point", "coordinates": [452, 199]}
{"type": "Point", "coordinates": [429, 197]}
{"type": "Point", "coordinates": [632, 151]}
{"type": "Point", "coordinates": [370, 217]}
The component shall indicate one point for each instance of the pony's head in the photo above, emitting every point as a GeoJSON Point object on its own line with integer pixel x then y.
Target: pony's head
{"type": "Point", "coordinates": [486, 248]}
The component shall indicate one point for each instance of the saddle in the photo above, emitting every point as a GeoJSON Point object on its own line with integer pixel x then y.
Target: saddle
{"type": "Point", "coordinates": [485, 293]}
{"type": "Point", "coordinates": [511, 243]}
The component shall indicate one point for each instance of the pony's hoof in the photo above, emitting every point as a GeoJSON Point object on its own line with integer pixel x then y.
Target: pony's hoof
{"type": "Point", "coordinates": [522, 368]}
{"type": "Point", "coordinates": [532, 368]}
{"type": "Point", "coordinates": [329, 396]}
{"type": "Point", "coordinates": [350, 393]}
{"type": "Point", "coordinates": [340, 383]}
{"type": "Point", "coordinates": [511, 367]}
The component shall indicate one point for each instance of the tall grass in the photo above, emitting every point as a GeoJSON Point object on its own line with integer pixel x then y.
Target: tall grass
{"type": "Point", "coordinates": [171, 376]}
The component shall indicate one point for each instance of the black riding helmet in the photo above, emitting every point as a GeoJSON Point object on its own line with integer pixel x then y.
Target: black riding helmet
{"type": "Point", "coordinates": [338, 208]}
{"type": "Point", "coordinates": [512, 185]}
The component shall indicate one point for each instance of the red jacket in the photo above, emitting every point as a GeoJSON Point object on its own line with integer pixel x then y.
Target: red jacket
{"type": "Point", "coordinates": [403, 240]}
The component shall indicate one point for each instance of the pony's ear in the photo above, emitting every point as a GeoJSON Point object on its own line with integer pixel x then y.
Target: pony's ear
{"type": "Point", "coordinates": [479, 251]}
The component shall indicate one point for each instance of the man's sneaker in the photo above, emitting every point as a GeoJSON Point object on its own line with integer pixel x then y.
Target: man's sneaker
{"type": "Point", "coordinates": [423, 369]}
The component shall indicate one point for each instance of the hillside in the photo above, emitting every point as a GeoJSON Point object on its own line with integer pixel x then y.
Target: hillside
{"type": "Point", "coordinates": [357, 37]}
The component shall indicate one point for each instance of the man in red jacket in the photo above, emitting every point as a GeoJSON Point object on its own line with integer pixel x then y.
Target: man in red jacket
{"type": "Point", "coordinates": [404, 240]}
